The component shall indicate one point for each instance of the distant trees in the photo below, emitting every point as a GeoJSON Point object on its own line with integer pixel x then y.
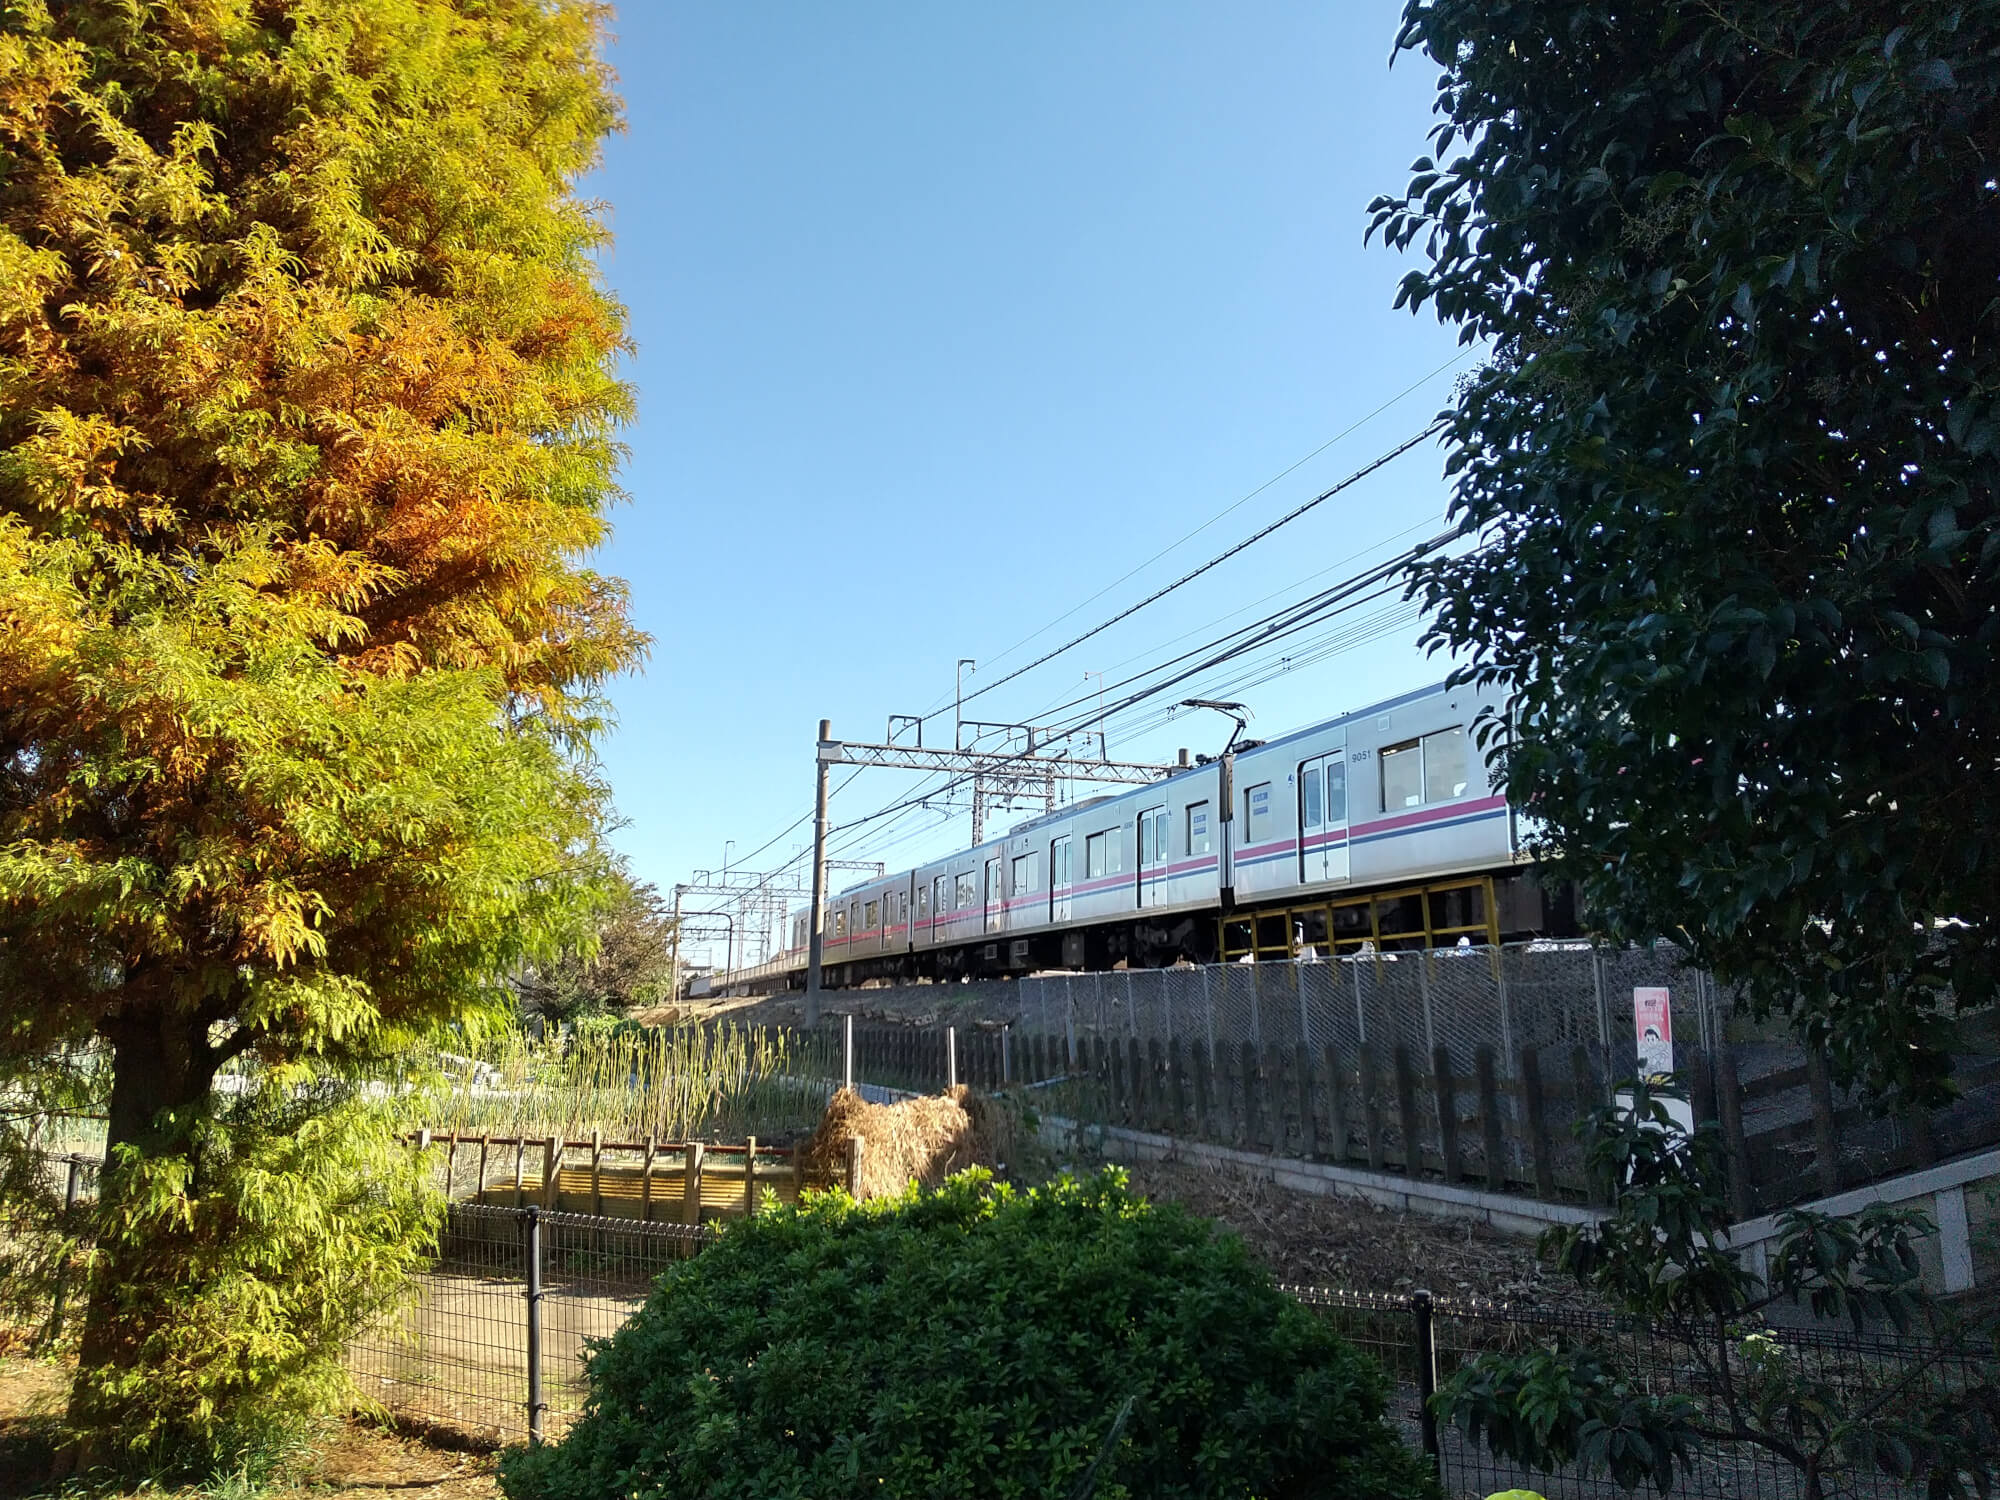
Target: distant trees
{"type": "Point", "coordinates": [306, 427]}
{"type": "Point", "coordinates": [626, 965]}
{"type": "Point", "coordinates": [1730, 478]}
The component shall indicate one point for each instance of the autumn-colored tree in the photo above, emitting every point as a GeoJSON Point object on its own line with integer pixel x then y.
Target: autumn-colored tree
{"type": "Point", "coordinates": [307, 417]}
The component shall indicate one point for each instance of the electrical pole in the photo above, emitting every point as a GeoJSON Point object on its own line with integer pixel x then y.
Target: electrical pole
{"type": "Point", "coordinates": [816, 923]}
{"type": "Point", "coordinates": [675, 961]}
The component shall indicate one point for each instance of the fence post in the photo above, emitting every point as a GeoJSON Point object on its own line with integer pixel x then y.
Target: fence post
{"type": "Point", "coordinates": [691, 1182]}
{"type": "Point", "coordinates": [951, 1057]}
{"type": "Point", "coordinates": [70, 1188]}
{"type": "Point", "coordinates": [856, 1146]}
{"type": "Point", "coordinates": [531, 1234]}
{"type": "Point", "coordinates": [1729, 1105]}
{"type": "Point", "coordinates": [597, 1172]}
{"type": "Point", "coordinates": [1406, 1110]}
{"type": "Point", "coordinates": [1371, 1107]}
{"type": "Point", "coordinates": [1537, 1107]}
{"type": "Point", "coordinates": [1589, 1094]}
{"type": "Point", "coordinates": [1427, 1378]}
{"type": "Point", "coordinates": [1490, 1131]}
{"type": "Point", "coordinates": [1336, 1101]}
{"type": "Point", "coordinates": [847, 1050]}
{"type": "Point", "coordinates": [1305, 1021]}
{"type": "Point", "coordinates": [750, 1179]}
{"type": "Point", "coordinates": [1446, 1083]}
{"type": "Point", "coordinates": [1826, 1137]}
{"type": "Point", "coordinates": [552, 1154]}
{"type": "Point", "coordinates": [1006, 1055]}
{"type": "Point", "coordinates": [1302, 1062]}
{"type": "Point", "coordinates": [646, 1182]}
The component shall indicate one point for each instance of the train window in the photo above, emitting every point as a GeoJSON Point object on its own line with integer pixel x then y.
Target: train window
{"type": "Point", "coordinates": [1024, 873]}
{"type": "Point", "coordinates": [1152, 837]}
{"type": "Point", "coordinates": [1444, 765]}
{"type": "Point", "coordinates": [923, 902]}
{"type": "Point", "coordinates": [870, 917]}
{"type": "Point", "coordinates": [1059, 864]}
{"type": "Point", "coordinates": [1336, 791]}
{"type": "Point", "coordinates": [840, 922]}
{"type": "Point", "coordinates": [1257, 812]}
{"type": "Point", "coordinates": [938, 903]}
{"type": "Point", "coordinates": [993, 891]}
{"type": "Point", "coordinates": [968, 891]}
{"type": "Point", "coordinates": [1402, 775]}
{"type": "Point", "coordinates": [1104, 853]}
{"type": "Point", "coordinates": [1197, 828]}
{"type": "Point", "coordinates": [1432, 769]}
{"type": "Point", "coordinates": [1310, 807]}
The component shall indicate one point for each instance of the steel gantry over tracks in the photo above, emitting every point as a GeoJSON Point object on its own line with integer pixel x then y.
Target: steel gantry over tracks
{"type": "Point", "coordinates": [999, 771]}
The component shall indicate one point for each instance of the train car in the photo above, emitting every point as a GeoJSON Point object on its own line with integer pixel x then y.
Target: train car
{"type": "Point", "coordinates": [1380, 828]}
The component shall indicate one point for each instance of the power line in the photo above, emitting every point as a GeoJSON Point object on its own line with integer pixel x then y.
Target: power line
{"type": "Point", "coordinates": [1214, 562]}
{"type": "Point", "coordinates": [1234, 506]}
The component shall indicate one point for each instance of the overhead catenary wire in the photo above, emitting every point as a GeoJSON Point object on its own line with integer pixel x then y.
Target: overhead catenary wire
{"type": "Point", "coordinates": [1214, 562]}
{"type": "Point", "coordinates": [1237, 504]}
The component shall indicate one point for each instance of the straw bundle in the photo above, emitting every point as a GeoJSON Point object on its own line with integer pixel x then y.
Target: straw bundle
{"type": "Point", "coordinates": [921, 1139]}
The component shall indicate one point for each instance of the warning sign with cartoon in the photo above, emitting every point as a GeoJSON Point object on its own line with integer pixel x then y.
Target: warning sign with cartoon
{"type": "Point", "coordinates": [1653, 1024]}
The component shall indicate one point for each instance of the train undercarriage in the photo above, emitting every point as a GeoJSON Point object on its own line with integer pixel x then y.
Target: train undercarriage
{"type": "Point", "coordinates": [1482, 909]}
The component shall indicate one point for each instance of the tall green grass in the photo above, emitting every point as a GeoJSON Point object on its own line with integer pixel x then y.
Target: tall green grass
{"type": "Point", "coordinates": [716, 1082]}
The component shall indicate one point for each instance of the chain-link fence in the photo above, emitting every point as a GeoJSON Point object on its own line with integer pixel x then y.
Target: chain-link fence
{"type": "Point", "coordinates": [491, 1346]}
{"type": "Point", "coordinates": [1421, 1342]}
{"type": "Point", "coordinates": [1543, 994]}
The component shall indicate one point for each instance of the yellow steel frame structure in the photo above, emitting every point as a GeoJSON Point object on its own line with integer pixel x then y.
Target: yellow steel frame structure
{"type": "Point", "coordinates": [1255, 929]}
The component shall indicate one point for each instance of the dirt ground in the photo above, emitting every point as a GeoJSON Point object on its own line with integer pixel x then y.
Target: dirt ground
{"type": "Point", "coordinates": [1348, 1243]}
{"type": "Point", "coordinates": [353, 1460]}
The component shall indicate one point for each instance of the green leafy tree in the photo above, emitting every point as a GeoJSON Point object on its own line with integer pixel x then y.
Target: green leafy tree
{"type": "Point", "coordinates": [1071, 1340]}
{"type": "Point", "coordinates": [1730, 476]}
{"type": "Point", "coordinates": [626, 964]}
{"type": "Point", "coordinates": [1663, 1259]}
{"type": "Point", "coordinates": [306, 427]}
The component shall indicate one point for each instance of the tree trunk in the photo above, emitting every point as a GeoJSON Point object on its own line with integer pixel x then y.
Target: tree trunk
{"type": "Point", "coordinates": [162, 1070]}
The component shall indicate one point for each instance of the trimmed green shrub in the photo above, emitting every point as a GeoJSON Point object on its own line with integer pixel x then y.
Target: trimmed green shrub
{"type": "Point", "coordinates": [1068, 1341]}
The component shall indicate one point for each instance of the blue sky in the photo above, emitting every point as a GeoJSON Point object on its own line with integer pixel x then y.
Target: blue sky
{"type": "Point", "coordinates": [949, 316]}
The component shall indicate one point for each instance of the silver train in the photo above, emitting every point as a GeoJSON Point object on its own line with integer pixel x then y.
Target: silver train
{"type": "Point", "coordinates": [1376, 829]}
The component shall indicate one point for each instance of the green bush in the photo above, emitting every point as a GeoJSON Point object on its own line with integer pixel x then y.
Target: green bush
{"type": "Point", "coordinates": [975, 1341]}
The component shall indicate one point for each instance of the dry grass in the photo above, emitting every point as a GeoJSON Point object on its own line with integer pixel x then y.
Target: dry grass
{"type": "Point", "coordinates": [353, 1459]}
{"type": "Point", "coordinates": [922, 1139]}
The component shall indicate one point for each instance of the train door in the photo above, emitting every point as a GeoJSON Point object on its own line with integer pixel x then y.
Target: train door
{"type": "Point", "coordinates": [1059, 880]}
{"type": "Point", "coordinates": [1323, 818]}
{"type": "Point", "coordinates": [996, 907]}
{"type": "Point", "coordinates": [1153, 857]}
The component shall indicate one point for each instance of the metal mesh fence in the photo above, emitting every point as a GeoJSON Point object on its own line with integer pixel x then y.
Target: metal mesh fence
{"type": "Point", "coordinates": [1858, 1370]}
{"type": "Point", "coordinates": [1548, 995]}
{"type": "Point", "coordinates": [491, 1347]}
{"type": "Point", "coordinates": [461, 1354]}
